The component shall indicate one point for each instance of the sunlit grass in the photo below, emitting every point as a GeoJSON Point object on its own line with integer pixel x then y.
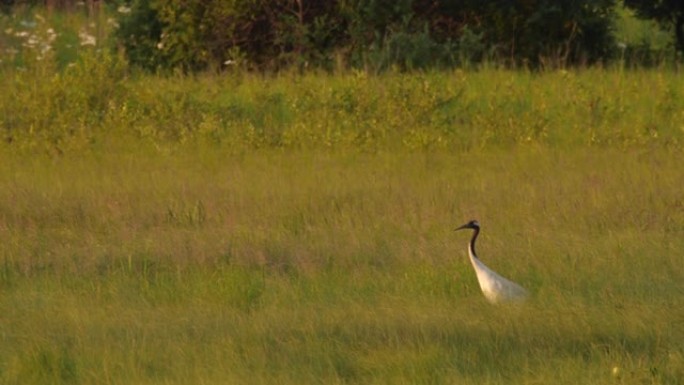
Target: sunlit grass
{"type": "Point", "coordinates": [297, 229]}
{"type": "Point", "coordinates": [98, 103]}
{"type": "Point", "coordinates": [309, 267]}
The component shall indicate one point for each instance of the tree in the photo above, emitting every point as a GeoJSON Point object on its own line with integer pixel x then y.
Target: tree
{"type": "Point", "coordinates": [668, 13]}
{"type": "Point", "coordinates": [194, 35]}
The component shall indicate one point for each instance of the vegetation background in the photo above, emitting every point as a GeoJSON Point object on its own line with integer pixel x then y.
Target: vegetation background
{"type": "Point", "coordinates": [233, 223]}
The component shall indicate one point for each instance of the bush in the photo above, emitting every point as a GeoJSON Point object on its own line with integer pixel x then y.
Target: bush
{"type": "Point", "coordinates": [196, 35]}
{"type": "Point", "coordinates": [271, 34]}
{"type": "Point", "coordinates": [45, 107]}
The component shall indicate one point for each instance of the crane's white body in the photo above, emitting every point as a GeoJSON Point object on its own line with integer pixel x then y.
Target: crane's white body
{"type": "Point", "coordinates": [495, 288]}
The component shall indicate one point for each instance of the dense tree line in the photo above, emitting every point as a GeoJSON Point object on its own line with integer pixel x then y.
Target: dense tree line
{"type": "Point", "coordinates": [371, 34]}
{"type": "Point", "coordinates": [374, 34]}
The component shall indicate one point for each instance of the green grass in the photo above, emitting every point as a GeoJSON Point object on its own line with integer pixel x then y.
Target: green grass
{"type": "Point", "coordinates": [98, 102]}
{"type": "Point", "coordinates": [74, 97]}
{"type": "Point", "coordinates": [340, 267]}
{"type": "Point", "coordinates": [299, 228]}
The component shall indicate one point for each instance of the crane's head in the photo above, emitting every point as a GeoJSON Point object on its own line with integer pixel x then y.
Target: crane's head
{"type": "Point", "coordinates": [475, 225]}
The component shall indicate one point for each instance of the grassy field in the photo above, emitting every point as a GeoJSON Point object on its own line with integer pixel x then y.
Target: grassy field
{"type": "Point", "coordinates": [298, 229]}
{"type": "Point", "coordinates": [300, 266]}
{"type": "Point", "coordinates": [98, 104]}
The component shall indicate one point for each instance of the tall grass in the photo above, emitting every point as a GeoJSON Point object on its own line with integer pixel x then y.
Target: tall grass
{"type": "Point", "coordinates": [298, 229]}
{"type": "Point", "coordinates": [97, 100]}
{"type": "Point", "coordinates": [340, 267]}
{"type": "Point", "coordinates": [61, 93]}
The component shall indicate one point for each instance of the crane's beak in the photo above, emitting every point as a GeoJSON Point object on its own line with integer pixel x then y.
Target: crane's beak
{"type": "Point", "coordinates": [462, 227]}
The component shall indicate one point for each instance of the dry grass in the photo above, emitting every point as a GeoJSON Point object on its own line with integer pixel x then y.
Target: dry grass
{"type": "Point", "coordinates": [309, 267]}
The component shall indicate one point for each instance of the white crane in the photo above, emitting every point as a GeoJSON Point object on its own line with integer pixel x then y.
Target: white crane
{"type": "Point", "coordinates": [495, 288]}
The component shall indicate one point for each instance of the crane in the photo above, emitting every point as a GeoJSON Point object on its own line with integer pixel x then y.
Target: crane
{"type": "Point", "coordinates": [495, 288]}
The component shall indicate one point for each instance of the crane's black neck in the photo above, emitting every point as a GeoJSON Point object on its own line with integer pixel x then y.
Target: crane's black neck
{"type": "Point", "coordinates": [476, 232]}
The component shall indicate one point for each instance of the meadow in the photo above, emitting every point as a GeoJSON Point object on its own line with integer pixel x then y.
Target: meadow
{"type": "Point", "coordinates": [298, 228]}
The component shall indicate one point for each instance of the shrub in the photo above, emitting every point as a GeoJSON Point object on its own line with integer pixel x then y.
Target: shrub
{"type": "Point", "coordinates": [272, 34]}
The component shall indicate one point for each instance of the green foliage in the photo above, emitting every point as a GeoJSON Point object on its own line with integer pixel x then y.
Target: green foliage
{"type": "Point", "coordinates": [372, 35]}
{"type": "Point", "coordinates": [642, 43]}
{"type": "Point", "coordinates": [200, 35]}
{"type": "Point", "coordinates": [382, 34]}
{"type": "Point", "coordinates": [46, 108]}
{"type": "Point", "coordinates": [98, 103]}
{"type": "Point", "coordinates": [140, 33]}
{"type": "Point", "coordinates": [538, 33]}
{"type": "Point", "coordinates": [669, 13]}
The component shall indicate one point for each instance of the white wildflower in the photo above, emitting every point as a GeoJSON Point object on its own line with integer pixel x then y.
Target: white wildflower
{"type": "Point", "coordinates": [32, 41]}
{"type": "Point", "coordinates": [86, 38]}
